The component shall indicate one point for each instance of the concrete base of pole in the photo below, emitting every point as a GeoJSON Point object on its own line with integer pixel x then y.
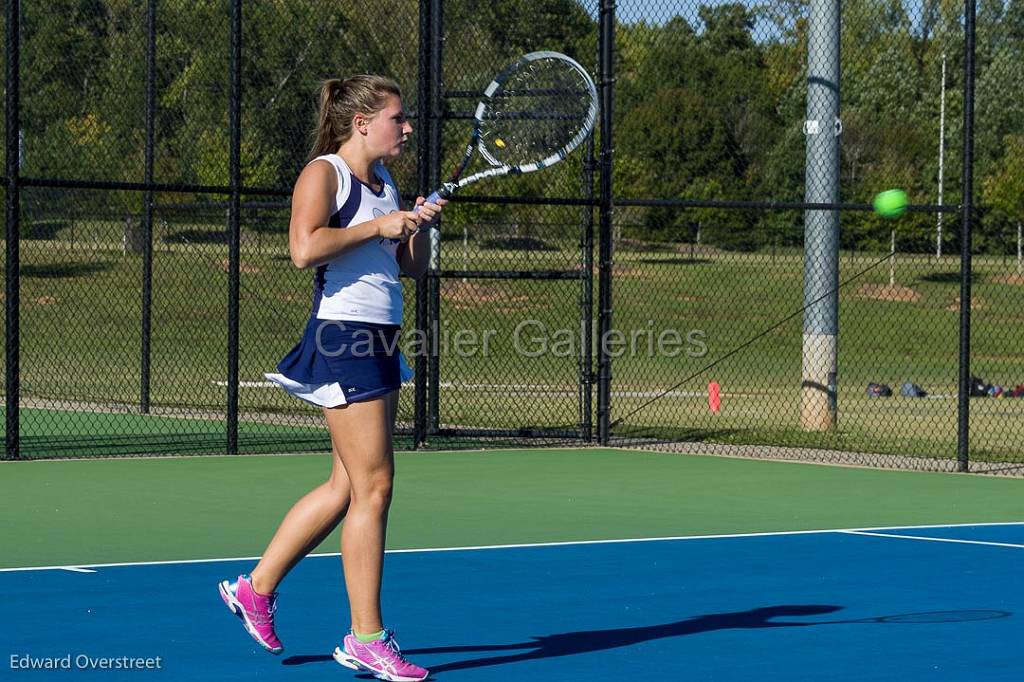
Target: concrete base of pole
{"type": "Point", "coordinates": [818, 388]}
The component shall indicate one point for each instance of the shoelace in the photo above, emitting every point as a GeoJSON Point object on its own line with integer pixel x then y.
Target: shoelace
{"type": "Point", "coordinates": [268, 617]}
{"type": "Point", "coordinates": [390, 643]}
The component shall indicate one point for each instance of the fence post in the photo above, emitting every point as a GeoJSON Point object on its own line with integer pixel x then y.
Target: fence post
{"type": "Point", "coordinates": [942, 158]}
{"type": "Point", "coordinates": [966, 210]}
{"type": "Point", "coordinates": [234, 208]}
{"type": "Point", "coordinates": [604, 361]}
{"type": "Point", "coordinates": [147, 213]}
{"type": "Point", "coordinates": [11, 233]}
{"type": "Point", "coordinates": [434, 270]}
{"type": "Point", "coordinates": [423, 109]}
{"type": "Point", "coordinates": [586, 387]}
{"type": "Point", "coordinates": [1020, 249]}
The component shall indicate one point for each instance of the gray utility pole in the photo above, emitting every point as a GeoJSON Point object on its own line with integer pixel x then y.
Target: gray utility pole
{"type": "Point", "coordinates": [821, 227]}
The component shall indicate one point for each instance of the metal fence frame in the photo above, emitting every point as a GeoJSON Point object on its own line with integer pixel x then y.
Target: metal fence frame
{"type": "Point", "coordinates": [431, 110]}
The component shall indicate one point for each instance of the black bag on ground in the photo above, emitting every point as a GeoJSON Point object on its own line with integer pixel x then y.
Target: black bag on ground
{"type": "Point", "coordinates": [878, 391]}
{"type": "Point", "coordinates": [979, 389]}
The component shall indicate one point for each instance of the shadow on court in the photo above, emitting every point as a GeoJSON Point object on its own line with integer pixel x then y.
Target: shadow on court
{"type": "Point", "coordinates": [587, 641]}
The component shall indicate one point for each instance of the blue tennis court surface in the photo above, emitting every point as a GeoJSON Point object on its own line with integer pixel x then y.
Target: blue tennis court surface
{"type": "Point", "coordinates": [831, 605]}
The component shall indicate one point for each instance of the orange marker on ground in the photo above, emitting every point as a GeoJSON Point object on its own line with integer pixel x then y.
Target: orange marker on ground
{"type": "Point", "coordinates": [714, 397]}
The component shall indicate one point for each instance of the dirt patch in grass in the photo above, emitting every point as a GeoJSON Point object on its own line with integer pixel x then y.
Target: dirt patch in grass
{"type": "Point", "coordinates": [468, 295]}
{"type": "Point", "coordinates": [1012, 278]}
{"type": "Point", "coordinates": [977, 303]}
{"type": "Point", "coordinates": [996, 358]}
{"type": "Point", "coordinates": [243, 267]}
{"type": "Point", "coordinates": [621, 270]}
{"type": "Point", "coordinates": [699, 250]}
{"type": "Point", "coordinates": [888, 292]}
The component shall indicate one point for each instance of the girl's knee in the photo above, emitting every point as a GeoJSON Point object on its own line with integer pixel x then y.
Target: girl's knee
{"type": "Point", "coordinates": [376, 492]}
{"type": "Point", "coordinates": [338, 485]}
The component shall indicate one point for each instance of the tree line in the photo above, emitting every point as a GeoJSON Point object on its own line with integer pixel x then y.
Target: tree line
{"type": "Point", "coordinates": [710, 100]}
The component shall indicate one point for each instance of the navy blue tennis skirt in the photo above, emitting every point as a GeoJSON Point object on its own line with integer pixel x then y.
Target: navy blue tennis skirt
{"type": "Point", "coordinates": [338, 362]}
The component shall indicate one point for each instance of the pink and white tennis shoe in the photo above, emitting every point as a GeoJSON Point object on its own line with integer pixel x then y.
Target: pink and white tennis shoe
{"type": "Point", "coordinates": [254, 609]}
{"type": "Point", "coordinates": [382, 657]}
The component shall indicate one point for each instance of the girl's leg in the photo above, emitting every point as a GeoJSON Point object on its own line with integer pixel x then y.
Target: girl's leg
{"type": "Point", "coordinates": [309, 521]}
{"type": "Point", "coordinates": [361, 434]}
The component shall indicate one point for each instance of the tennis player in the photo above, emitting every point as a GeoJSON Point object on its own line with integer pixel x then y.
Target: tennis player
{"type": "Point", "coordinates": [346, 222]}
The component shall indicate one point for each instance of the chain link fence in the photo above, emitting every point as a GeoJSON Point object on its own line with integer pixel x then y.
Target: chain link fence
{"type": "Point", "coordinates": [125, 293]}
{"type": "Point", "coordinates": [815, 334]}
{"type": "Point", "coordinates": [741, 297]}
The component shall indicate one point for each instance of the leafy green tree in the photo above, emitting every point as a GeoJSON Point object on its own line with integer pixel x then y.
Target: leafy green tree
{"type": "Point", "coordinates": [708, 110]}
{"type": "Point", "coordinates": [79, 114]}
{"type": "Point", "coordinates": [1003, 187]}
{"type": "Point", "coordinates": [694, 114]}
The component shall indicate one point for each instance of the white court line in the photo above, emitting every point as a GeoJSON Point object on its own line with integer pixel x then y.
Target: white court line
{"type": "Point", "coordinates": [76, 569]}
{"type": "Point", "coordinates": [930, 539]}
{"type": "Point", "coordinates": [539, 388]}
{"type": "Point", "coordinates": [535, 544]}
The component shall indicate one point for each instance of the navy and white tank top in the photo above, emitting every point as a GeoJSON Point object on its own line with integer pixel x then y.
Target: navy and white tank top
{"type": "Point", "coordinates": [361, 284]}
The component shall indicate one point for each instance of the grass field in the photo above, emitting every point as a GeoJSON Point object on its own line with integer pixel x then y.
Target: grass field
{"type": "Point", "coordinates": [81, 336]}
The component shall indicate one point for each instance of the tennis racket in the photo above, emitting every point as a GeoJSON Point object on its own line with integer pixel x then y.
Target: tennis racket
{"type": "Point", "coordinates": [532, 115]}
{"type": "Point", "coordinates": [927, 617]}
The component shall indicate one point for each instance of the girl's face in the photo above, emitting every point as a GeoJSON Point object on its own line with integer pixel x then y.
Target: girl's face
{"type": "Point", "coordinates": [388, 130]}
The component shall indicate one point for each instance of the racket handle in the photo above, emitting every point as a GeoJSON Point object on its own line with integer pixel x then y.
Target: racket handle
{"type": "Point", "coordinates": [432, 199]}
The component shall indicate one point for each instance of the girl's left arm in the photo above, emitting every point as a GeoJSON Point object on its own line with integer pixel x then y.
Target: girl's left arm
{"type": "Point", "coordinates": [414, 254]}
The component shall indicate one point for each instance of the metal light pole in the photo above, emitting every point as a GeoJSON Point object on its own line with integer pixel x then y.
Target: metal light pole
{"type": "Point", "coordinates": [821, 227]}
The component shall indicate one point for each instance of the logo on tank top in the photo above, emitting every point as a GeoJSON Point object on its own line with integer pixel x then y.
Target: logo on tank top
{"type": "Point", "coordinates": [377, 213]}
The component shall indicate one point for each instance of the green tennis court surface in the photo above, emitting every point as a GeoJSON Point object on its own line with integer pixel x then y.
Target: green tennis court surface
{"type": "Point", "coordinates": [521, 565]}
{"type": "Point", "coordinates": [871, 604]}
{"type": "Point", "coordinates": [70, 512]}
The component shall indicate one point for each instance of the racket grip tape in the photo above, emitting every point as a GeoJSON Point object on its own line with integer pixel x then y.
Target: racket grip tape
{"type": "Point", "coordinates": [432, 199]}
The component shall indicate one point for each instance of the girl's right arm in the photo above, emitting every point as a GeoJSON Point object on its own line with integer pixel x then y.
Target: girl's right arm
{"type": "Point", "coordinates": [311, 242]}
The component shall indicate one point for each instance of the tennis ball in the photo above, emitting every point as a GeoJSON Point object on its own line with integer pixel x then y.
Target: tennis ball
{"type": "Point", "coordinates": [891, 203]}
{"type": "Point", "coordinates": [500, 143]}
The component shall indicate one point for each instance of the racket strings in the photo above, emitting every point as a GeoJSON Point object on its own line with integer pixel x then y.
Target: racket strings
{"type": "Point", "coordinates": [538, 111]}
